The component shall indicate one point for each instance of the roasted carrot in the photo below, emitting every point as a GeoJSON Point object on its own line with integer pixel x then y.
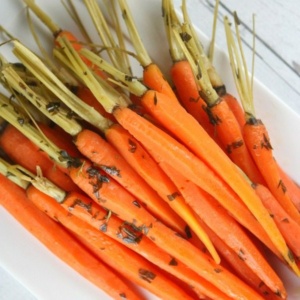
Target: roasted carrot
{"type": "Point", "coordinates": [99, 121]}
{"type": "Point", "coordinates": [258, 142]}
{"type": "Point", "coordinates": [23, 152]}
{"type": "Point", "coordinates": [292, 186]}
{"type": "Point", "coordinates": [128, 235]}
{"type": "Point", "coordinates": [99, 151]}
{"type": "Point", "coordinates": [92, 182]}
{"type": "Point", "coordinates": [254, 131]}
{"type": "Point", "coordinates": [165, 111]}
{"type": "Point", "coordinates": [220, 222]}
{"type": "Point", "coordinates": [117, 256]}
{"type": "Point", "coordinates": [288, 227]}
{"type": "Point", "coordinates": [59, 241]}
{"type": "Point", "coordinates": [239, 268]}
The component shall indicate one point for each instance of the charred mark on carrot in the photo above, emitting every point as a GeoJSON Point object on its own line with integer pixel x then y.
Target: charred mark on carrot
{"type": "Point", "coordinates": [265, 143]}
{"type": "Point", "coordinates": [123, 296]}
{"type": "Point", "coordinates": [188, 232]}
{"type": "Point", "coordinates": [132, 146]}
{"type": "Point", "coordinates": [146, 275]}
{"type": "Point", "coordinates": [136, 203]}
{"type": "Point", "coordinates": [282, 186]}
{"type": "Point", "coordinates": [78, 202]}
{"type": "Point", "coordinates": [129, 233]}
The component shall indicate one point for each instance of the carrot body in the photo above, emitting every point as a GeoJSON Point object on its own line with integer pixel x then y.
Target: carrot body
{"type": "Point", "coordinates": [154, 79]}
{"type": "Point", "coordinates": [112, 226]}
{"type": "Point", "coordinates": [195, 138]}
{"type": "Point", "coordinates": [58, 240]}
{"type": "Point", "coordinates": [220, 222]}
{"type": "Point", "coordinates": [258, 143]}
{"type": "Point", "coordinates": [108, 194]}
{"type": "Point", "coordinates": [184, 161]}
{"type": "Point", "coordinates": [149, 170]}
{"type": "Point", "coordinates": [292, 187]}
{"type": "Point", "coordinates": [120, 258]}
{"type": "Point", "coordinates": [23, 152]}
{"type": "Point", "coordinates": [235, 107]}
{"type": "Point", "coordinates": [189, 94]}
{"type": "Point", "coordinates": [241, 269]}
{"type": "Point", "coordinates": [288, 227]}
{"type": "Point", "coordinates": [87, 96]}
{"type": "Point", "coordinates": [230, 134]}
{"type": "Point", "coordinates": [109, 160]}
{"type": "Point", "coordinates": [77, 46]}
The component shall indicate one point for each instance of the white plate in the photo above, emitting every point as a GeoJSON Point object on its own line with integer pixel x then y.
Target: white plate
{"type": "Point", "coordinates": [29, 261]}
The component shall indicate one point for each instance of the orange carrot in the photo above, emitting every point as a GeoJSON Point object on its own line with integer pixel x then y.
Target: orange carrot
{"type": "Point", "coordinates": [59, 241]}
{"type": "Point", "coordinates": [239, 268]}
{"type": "Point", "coordinates": [220, 222]}
{"type": "Point", "coordinates": [117, 256]}
{"type": "Point", "coordinates": [107, 193]}
{"type": "Point", "coordinates": [23, 152]}
{"type": "Point", "coordinates": [288, 227]}
{"type": "Point", "coordinates": [128, 235]}
{"type": "Point", "coordinates": [292, 187]}
{"type": "Point", "coordinates": [181, 159]}
{"type": "Point", "coordinates": [100, 152]}
{"type": "Point", "coordinates": [89, 143]}
{"type": "Point", "coordinates": [235, 107]}
{"type": "Point", "coordinates": [258, 143]}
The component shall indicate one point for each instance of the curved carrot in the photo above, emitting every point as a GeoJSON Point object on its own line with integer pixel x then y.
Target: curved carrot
{"type": "Point", "coordinates": [258, 143]}
{"type": "Point", "coordinates": [288, 227]}
{"type": "Point", "coordinates": [58, 240]}
{"type": "Point", "coordinates": [23, 152]}
{"type": "Point", "coordinates": [107, 194]}
{"type": "Point", "coordinates": [120, 258]}
{"type": "Point", "coordinates": [99, 151]}
{"type": "Point", "coordinates": [126, 234]}
{"type": "Point", "coordinates": [220, 222]}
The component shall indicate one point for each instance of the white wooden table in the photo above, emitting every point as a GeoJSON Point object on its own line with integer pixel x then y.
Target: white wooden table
{"type": "Point", "coordinates": [277, 64]}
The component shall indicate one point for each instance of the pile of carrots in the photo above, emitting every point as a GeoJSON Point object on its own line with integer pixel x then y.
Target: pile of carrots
{"type": "Point", "coordinates": [171, 186]}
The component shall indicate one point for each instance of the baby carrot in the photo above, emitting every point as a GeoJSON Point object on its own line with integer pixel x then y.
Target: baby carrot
{"type": "Point", "coordinates": [288, 227]}
{"type": "Point", "coordinates": [23, 152]}
{"type": "Point", "coordinates": [218, 219]}
{"type": "Point", "coordinates": [117, 256]}
{"type": "Point", "coordinates": [128, 235]}
{"type": "Point", "coordinates": [59, 241]}
{"type": "Point", "coordinates": [168, 113]}
{"type": "Point", "coordinates": [254, 131]}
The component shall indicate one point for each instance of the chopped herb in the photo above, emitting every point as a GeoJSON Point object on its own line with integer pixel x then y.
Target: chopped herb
{"type": "Point", "coordinates": [146, 275]}
{"type": "Point", "coordinates": [111, 170]}
{"type": "Point", "coordinates": [265, 143]}
{"type": "Point", "coordinates": [188, 232]}
{"type": "Point", "coordinates": [218, 270]}
{"type": "Point", "coordinates": [282, 186]}
{"type": "Point", "coordinates": [132, 146]}
{"type": "Point", "coordinates": [53, 106]}
{"type": "Point", "coordinates": [103, 227]}
{"type": "Point", "coordinates": [185, 36]}
{"type": "Point", "coordinates": [123, 296]}
{"type": "Point", "coordinates": [173, 196]}
{"type": "Point", "coordinates": [173, 262]}
{"type": "Point", "coordinates": [21, 121]}
{"type": "Point", "coordinates": [136, 203]}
